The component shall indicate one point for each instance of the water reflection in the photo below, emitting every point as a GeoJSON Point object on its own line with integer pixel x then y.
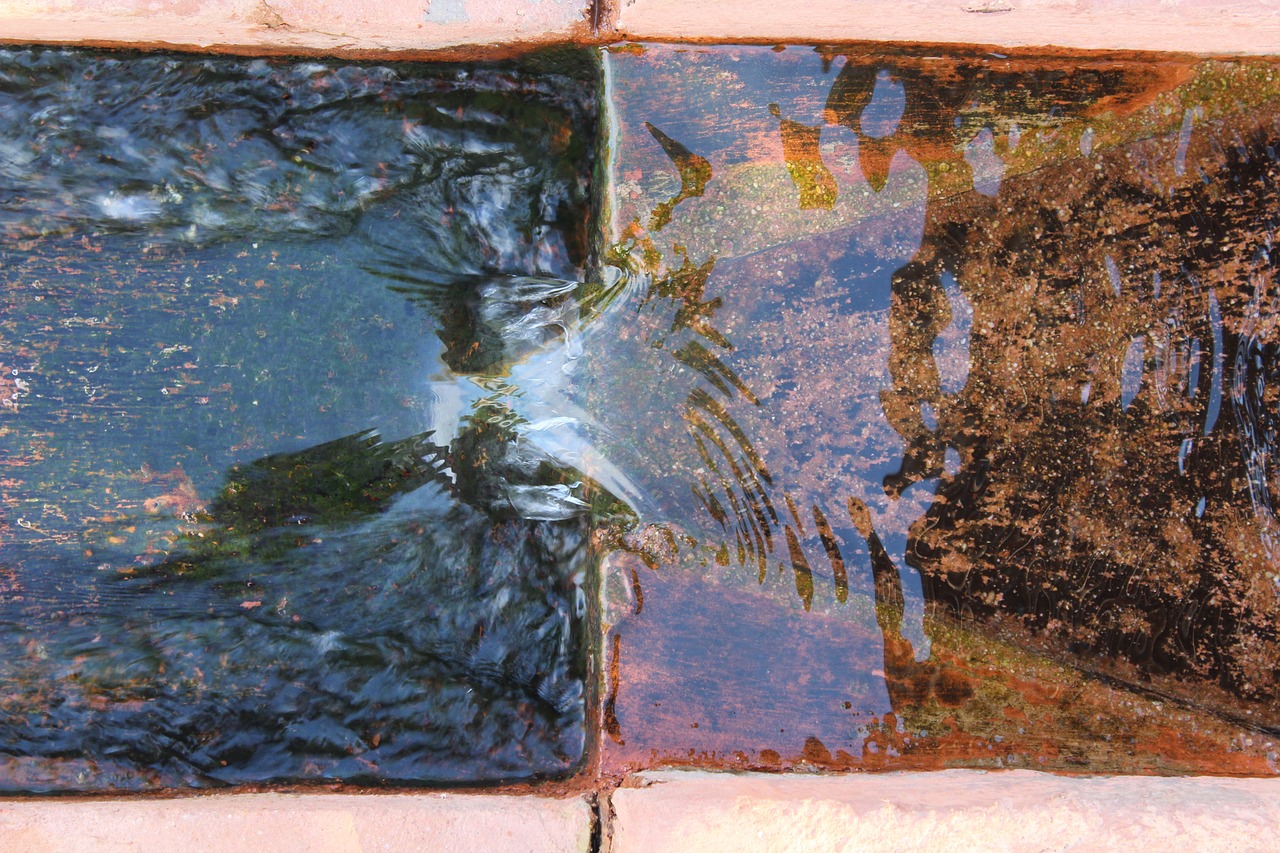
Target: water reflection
{"type": "Point", "coordinates": [929, 332]}
{"type": "Point", "coordinates": [779, 482]}
{"type": "Point", "coordinates": [861, 281]}
{"type": "Point", "coordinates": [271, 508]}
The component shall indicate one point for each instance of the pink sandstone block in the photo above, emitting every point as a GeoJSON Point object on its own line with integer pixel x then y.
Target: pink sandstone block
{"type": "Point", "coordinates": [309, 25]}
{"type": "Point", "coordinates": [1197, 26]}
{"type": "Point", "coordinates": [952, 810]}
{"type": "Point", "coordinates": [317, 823]}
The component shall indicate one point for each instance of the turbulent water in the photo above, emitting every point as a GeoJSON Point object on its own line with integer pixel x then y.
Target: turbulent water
{"type": "Point", "coordinates": [264, 517]}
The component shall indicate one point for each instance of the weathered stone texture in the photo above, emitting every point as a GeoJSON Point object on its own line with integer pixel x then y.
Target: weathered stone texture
{"type": "Point", "coordinates": [296, 823]}
{"type": "Point", "coordinates": [948, 811]}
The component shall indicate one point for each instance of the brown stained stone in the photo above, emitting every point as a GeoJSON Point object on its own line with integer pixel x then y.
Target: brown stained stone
{"type": "Point", "coordinates": [1182, 593]}
{"type": "Point", "coordinates": [868, 346]}
{"type": "Point", "coordinates": [709, 676]}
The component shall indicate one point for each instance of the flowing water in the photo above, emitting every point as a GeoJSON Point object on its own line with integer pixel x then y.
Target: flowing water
{"type": "Point", "coordinates": [251, 531]}
{"type": "Point", "coordinates": [901, 410]}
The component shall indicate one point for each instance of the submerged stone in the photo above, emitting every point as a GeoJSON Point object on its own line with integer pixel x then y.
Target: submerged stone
{"type": "Point", "coordinates": [957, 402]}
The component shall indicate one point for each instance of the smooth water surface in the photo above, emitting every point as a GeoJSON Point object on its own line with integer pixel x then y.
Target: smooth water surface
{"type": "Point", "coordinates": [950, 382]}
{"type": "Point", "coordinates": [266, 516]}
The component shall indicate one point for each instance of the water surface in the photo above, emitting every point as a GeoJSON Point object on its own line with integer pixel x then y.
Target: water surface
{"type": "Point", "coordinates": [953, 376]}
{"type": "Point", "coordinates": [263, 518]}
{"type": "Point", "coordinates": [920, 406]}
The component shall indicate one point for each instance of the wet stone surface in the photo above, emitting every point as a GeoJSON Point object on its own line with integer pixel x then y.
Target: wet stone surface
{"type": "Point", "coordinates": [948, 384]}
{"type": "Point", "coordinates": [266, 515]}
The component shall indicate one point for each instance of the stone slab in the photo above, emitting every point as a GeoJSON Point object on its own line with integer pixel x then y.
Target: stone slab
{"type": "Point", "coordinates": [322, 26]}
{"type": "Point", "coordinates": [316, 823]}
{"type": "Point", "coordinates": [1197, 26]}
{"type": "Point", "coordinates": [952, 810]}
